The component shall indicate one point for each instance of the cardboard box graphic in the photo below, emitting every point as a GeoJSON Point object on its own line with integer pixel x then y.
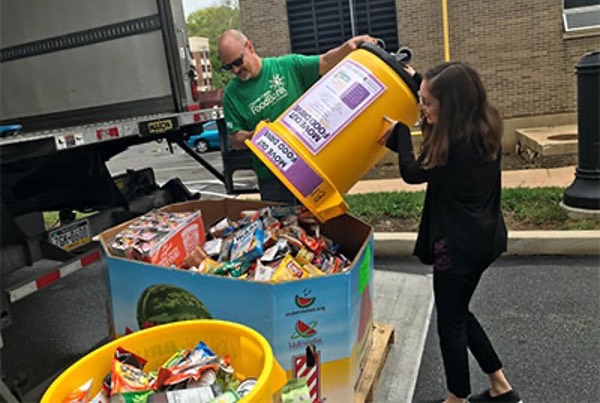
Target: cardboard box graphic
{"type": "Point", "coordinates": [318, 327]}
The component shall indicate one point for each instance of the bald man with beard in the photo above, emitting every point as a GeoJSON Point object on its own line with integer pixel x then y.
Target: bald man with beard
{"type": "Point", "coordinates": [264, 88]}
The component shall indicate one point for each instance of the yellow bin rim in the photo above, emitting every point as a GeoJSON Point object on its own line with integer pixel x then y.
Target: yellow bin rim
{"type": "Point", "coordinates": [272, 377]}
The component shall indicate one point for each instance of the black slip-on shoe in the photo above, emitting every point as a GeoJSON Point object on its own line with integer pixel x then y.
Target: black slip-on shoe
{"type": "Point", "coordinates": [509, 397]}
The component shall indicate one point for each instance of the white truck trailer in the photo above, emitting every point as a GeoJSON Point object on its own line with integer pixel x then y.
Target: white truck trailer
{"type": "Point", "coordinates": [83, 80]}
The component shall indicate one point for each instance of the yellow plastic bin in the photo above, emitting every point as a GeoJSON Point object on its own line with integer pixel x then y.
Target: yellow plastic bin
{"type": "Point", "coordinates": [326, 141]}
{"type": "Point", "coordinates": [250, 353]}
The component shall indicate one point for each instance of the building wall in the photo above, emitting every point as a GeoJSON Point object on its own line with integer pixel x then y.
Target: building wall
{"type": "Point", "coordinates": [265, 22]}
{"type": "Point", "coordinates": [201, 54]}
{"type": "Point", "coordinates": [526, 60]}
{"type": "Point", "coordinates": [519, 47]}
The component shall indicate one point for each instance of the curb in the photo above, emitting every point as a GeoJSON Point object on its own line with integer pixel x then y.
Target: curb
{"type": "Point", "coordinates": [396, 244]}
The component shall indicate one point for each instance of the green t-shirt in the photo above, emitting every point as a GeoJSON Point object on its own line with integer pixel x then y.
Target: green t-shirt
{"type": "Point", "coordinates": [282, 80]}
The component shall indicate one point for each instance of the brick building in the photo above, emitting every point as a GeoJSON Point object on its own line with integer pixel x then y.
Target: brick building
{"type": "Point", "coordinates": [526, 51]}
{"type": "Point", "coordinates": [201, 55]}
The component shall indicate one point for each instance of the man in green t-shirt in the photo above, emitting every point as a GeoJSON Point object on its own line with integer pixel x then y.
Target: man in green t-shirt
{"type": "Point", "coordinates": [264, 88]}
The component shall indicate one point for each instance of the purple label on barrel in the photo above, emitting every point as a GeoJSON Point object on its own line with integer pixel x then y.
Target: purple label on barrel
{"type": "Point", "coordinates": [285, 159]}
{"type": "Point", "coordinates": [354, 95]}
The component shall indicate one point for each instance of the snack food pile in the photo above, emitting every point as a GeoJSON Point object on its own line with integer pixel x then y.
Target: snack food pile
{"type": "Point", "coordinates": [273, 244]}
{"type": "Point", "coordinates": [197, 375]}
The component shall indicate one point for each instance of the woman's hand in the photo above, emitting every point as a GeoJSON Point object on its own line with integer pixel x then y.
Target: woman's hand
{"type": "Point", "coordinates": [409, 69]}
{"type": "Point", "coordinates": [391, 123]}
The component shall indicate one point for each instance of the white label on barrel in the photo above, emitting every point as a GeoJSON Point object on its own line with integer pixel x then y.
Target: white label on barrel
{"type": "Point", "coordinates": [337, 98]}
{"type": "Point", "coordinates": [286, 161]}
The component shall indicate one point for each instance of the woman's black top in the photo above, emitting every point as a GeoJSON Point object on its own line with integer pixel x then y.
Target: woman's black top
{"type": "Point", "coordinates": [462, 203]}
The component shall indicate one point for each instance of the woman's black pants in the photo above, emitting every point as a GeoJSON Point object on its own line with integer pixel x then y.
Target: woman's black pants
{"type": "Point", "coordinates": [458, 329]}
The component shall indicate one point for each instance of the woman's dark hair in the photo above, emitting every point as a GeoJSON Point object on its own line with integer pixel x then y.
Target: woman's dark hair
{"type": "Point", "coordinates": [465, 114]}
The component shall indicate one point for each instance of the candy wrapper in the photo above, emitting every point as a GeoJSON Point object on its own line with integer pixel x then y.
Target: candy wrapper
{"type": "Point", "coordinates": [127, 378]}
{"type": "Point", "coordinates": [263, 273]}
{"type": "Point", "coordinates": [80, 394]}
{"type": "Point", "coordinates": [200, 394]}
{"type": "Point", "coordinates": [208, 266]}
{"type": "Point", "coordinates": [195, 258]}
{"type": "Point", "coordinates": [289, 269]}
{"type": "Point", "coordinates": [222, 228]}
{"type": "Point", "coordinates": [190, 367]}
{"type": "Point", "coordinates": [225, 249]}
{"type": "Point", "coordinates": [276, 252]}
{"type": "Point", "coordinates": [248, 242]}
{"type": "Point", "coordinates": [296, 391]}
{"type": "Point", "coordinates": [213, 247]}
{"type": "Point", "coordinates": [228, 397]}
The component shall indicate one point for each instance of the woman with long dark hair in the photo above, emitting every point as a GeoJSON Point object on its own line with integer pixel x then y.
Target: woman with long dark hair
{"type": "Point", "coordinates": [462, 230]}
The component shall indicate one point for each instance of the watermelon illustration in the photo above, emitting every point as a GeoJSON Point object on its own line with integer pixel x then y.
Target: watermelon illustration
{"type": "Point", "coordinates": [303, 303]}
{"type": "Point", "coordinates": [163, 303]}
{"type": "Point", "coordinates": [305, 331]}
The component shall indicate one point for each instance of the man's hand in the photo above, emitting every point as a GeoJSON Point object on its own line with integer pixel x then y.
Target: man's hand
{"type": "Point", "coordinates": [334, 56]}
{"type": "Point", "coordinates": [354, 43]}
{"type": "Point", "coordinates": [237, 139]}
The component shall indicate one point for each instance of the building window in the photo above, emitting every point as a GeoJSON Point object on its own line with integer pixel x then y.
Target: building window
{"type": "Point", "coordinates": [319, 25]}
{"type": "Point", "coordinates": [581, 14]}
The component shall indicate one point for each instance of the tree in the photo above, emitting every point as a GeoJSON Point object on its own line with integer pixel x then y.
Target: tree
{"type": "Point", "coordinates": [210, 22]}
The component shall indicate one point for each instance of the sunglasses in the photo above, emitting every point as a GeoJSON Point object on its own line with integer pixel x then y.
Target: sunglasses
{"type": "Point", "coordinates": [236, 63]}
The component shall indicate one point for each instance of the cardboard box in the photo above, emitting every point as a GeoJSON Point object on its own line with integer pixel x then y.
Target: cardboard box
{"type": "Point", "coordinates": [318, 327]}
{"type": "Point", "coordinates": [174, 246]}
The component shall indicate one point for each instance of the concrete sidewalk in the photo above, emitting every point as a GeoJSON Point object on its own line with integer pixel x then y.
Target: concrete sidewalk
{"type": "Point", "coordinates": [528, 178]}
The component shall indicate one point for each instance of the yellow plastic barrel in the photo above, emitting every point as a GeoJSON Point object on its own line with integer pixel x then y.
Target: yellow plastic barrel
{"type": "Point", "coordinates": [326, 141]}
{"type": "Point", "coordinates": [250, 353]}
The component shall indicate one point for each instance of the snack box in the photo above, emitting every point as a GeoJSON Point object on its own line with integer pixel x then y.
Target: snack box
{"type": "Point", "coordinates": [319, 328]}
{"type": "Point", "coordinates": [166, 243]}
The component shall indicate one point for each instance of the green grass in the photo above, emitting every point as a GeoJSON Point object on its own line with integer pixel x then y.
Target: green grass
{"type": "Point", "coordinates": [523, 208]}
{"type": "Point", "coordinates": [401, 205]}
{"type": "Point", "coordinates": [51, 218]}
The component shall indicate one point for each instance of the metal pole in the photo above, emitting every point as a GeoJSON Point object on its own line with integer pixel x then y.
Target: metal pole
{"type": "Point", "coordinates": [6, 393]}
{"type": "Point", "coordinates": [352, 23]}
{"type": "Point", "coordinates": [584, 192]}
{"type": "Point", "coordinates": [445, 29]}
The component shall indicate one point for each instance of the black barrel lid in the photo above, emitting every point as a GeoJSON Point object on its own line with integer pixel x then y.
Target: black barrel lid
{"type": "Point", "coordinates": [394, 64]}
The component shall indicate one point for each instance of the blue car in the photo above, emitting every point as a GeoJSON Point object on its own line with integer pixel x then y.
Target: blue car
{"type": "Point", "coordinates": [207, 140]}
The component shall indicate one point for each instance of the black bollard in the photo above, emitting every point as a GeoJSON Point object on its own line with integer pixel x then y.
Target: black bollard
{"type": "Point", "coordinates": [584, 192]}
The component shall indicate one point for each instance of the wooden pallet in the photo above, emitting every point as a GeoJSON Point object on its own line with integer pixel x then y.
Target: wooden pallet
{"type": "Point", "coordinates": [383, 337]}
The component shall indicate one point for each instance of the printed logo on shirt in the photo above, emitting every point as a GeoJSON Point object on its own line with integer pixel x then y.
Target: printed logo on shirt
{"type": "Point", "coordinates": [275, 93]}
